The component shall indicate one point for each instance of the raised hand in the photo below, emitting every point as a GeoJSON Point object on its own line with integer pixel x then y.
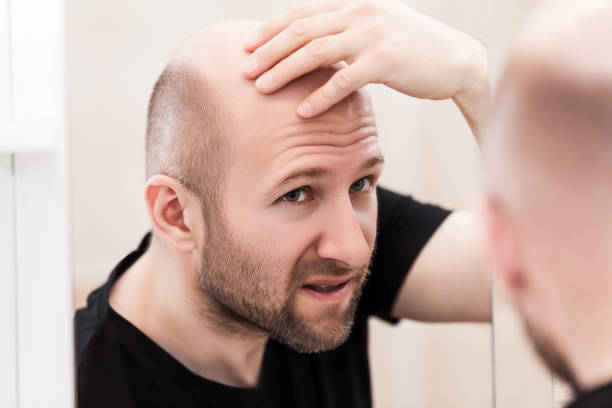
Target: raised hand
{"type": "Point", "coordinates": [371, 42]}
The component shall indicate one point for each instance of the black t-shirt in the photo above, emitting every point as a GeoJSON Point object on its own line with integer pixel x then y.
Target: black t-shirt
{"type": "Point", "coordinates": [119, 366]}
{"type": "Point", "coordinates": [600, 397]}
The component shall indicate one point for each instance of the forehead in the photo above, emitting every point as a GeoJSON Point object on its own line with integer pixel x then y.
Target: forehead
{"type": "Point", "coordinates": [276, 129]}
{"type": "Point", "coordinates": [264, 132]}
{"type": "Point", "coordinates": [274, 141]}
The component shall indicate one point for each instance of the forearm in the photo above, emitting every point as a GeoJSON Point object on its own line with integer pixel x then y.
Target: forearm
{"type": "Point", "coordinates": [473, 99]}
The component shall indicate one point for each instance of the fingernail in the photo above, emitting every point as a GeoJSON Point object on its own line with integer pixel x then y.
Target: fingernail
{"type": "Point", "coordinates": [264, 81]}
{"type": "Point", "coordinates": [249, 66]}
{"type": "Point", "coordinates": [305, 109]}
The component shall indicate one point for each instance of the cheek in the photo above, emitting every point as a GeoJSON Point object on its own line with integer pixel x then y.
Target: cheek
{"type": "Point", "coordinates": [286, 241]}
{"type": "Point", "coordinates": [278, 242]}
{"type": "Point", "coordinates": [544, 254]}
{"type": "Point", "coordinates": [283, 236]}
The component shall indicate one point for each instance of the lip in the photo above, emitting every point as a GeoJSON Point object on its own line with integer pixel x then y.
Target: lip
{"type": "Point", "coordinates": [336, 295]}
{"type": "Point", "coordinates": [328, 280]}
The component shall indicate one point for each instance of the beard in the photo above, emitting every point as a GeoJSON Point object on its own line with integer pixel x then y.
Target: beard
{"type": "Point", "coordinates": [243, 293]}
{"type": "Point", "coordinates": [551, 356]}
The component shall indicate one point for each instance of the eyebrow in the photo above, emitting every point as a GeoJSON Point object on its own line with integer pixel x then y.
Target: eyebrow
{"type": "Point", "coordinates": [318, 172]}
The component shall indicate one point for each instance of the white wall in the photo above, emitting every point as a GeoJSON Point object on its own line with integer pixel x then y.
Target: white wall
{"type": "Point", "coordinates": [8, 370]}
{"type": "Point", "coordinates": [8, 346]}
{"type": "Point", "coordinates": [36, 348]}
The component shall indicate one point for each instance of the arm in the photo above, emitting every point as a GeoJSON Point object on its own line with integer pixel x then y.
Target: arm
{"type": "Point", "coordinates": [474, 98]}
{"type": "Point", "coordinates": [449, 280]}
{"type": "Point", "coordinates": [391, 44]}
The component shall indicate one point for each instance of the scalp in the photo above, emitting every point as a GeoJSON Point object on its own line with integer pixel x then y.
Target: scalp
{"type": "Point", "coordinates": [553, 108]}
{"type": "Point", "coordinates": [202, 108]}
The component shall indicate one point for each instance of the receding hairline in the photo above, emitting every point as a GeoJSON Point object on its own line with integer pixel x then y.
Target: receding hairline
{"type": "Point", "coordinates": [184, 135]}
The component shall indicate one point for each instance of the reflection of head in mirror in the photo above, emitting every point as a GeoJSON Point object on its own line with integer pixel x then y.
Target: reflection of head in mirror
{"type": "Point", "coordinates": [549, 157]}
{"type": "Point", "coordinates": [226, 166]}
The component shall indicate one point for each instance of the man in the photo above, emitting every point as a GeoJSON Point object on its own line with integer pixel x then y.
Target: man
{"type": "Point", "coordinates": [255, 285]}
{"type": "Point", "coordinates": [549, 155]}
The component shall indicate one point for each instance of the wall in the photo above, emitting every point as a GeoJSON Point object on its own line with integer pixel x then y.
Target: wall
{"type": "Point", "coordinates": [36, 349]}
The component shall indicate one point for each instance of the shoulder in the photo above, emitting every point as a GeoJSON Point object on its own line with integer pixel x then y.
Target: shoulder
{"type": "Point", "coordinates": [101, 377]}
{"type": "Point", "coordinates": [399, 209]}
{"type": "Point", "coordinates": [89, 320]}
{"type": "Point", "coordinates": [404, 227]}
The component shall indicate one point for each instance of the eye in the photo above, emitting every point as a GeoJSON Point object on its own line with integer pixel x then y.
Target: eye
{"type": "Point", "coordinates": [295, 196]}
{"type": "Point", "coordinates": [363, 184]}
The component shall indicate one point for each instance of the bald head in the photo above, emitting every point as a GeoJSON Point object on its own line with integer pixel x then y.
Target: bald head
{"type": "Point", "coordinates": [553, 109]}
{"type": "Point", "coordinates": [549, 164]}
{"type": "Point", "coordinates": [284, 199]}
{"type": "Point", "coordinates": [202, 107]}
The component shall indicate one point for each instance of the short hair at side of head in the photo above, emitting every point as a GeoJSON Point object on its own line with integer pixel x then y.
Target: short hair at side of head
{"type": "Point", "coordinates": [184, 138]}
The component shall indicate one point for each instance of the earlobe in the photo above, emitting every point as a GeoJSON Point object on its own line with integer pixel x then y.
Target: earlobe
{"type": "Point", "coordinates": [503, 249]}
{"type": "Point", "coordinates": [166, 200]}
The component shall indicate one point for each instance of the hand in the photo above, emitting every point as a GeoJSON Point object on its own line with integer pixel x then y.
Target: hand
{"type": "Point", "coordinates": [384, 43]}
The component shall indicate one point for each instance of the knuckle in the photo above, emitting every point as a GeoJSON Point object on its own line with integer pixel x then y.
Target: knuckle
{"type": "Point", "coordinates": [374, 32]}
{"type": "Point", "coordinates": [323, 97]}
{"type": "Point", "coordinates": [316, 47]}
{"type": "Point", "coordinates": [329, 94]}
{"type": "Point", "coordinates": [342, 79]}
{"type": "Point", "coordinates": [297, 11]}
{"type": "Point", "coordinates": [299, 27]}
{"type": "Point", "coordinates": [384, 53]}
{"type": "Point", "coordinates": [365, 7]}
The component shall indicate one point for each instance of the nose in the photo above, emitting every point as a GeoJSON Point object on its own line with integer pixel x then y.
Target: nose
{"type": "Point", "coordinates": [343, 239]}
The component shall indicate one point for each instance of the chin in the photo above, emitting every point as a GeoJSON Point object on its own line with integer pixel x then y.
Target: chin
{"type": "Point", "coordinates": [318, 331]}
{"type": "Point", "coordinates": [321, 339]}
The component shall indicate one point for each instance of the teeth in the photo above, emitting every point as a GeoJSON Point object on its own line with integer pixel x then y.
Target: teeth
{"type": "Point", "coordinates": [324, 288]}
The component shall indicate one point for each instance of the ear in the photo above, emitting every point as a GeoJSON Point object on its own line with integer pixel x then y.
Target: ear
{"type": "Point", "coordinates": [175, 212]}
{"type": "Point", "coordinates": [503, 248]}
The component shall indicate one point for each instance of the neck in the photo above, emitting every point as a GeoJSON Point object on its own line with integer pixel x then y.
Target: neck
{"type": "Point", "coordinates": [160, 296]}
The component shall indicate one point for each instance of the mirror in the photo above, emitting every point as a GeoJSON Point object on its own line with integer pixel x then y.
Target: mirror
{"type": "Point", "coordinates": [430, 153]}
{"type": "Point", "coordinates": [71, 198]}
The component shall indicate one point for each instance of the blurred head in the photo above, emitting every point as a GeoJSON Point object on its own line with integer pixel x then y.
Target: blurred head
{"type": "Point", "coordinates": [276, 214]}
{"type": "Point", "coordinates": [549, 163]}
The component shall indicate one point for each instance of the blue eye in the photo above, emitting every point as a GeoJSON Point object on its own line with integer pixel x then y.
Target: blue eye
{"type": "Point", "coordinates": [363, 184]}
{"type": "Point", "coordinates": [295, 196]}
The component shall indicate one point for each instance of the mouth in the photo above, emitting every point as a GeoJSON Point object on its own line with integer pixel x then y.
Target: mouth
{"type": "Point", "coordinates": [328, 289]}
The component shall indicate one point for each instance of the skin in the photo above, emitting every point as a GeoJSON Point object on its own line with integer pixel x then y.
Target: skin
{"type": "Point", "coordinates": [270, 140]}
{"type": "Point", "coordinates": [331, 223]}
{"type": "Point", "coordinates": [450, 280]}
{"type": "Point", "coordinates": [549, 227]}
{"type": "Point", "coordinates": [370, 43]}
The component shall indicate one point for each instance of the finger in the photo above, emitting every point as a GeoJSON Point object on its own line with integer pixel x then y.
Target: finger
{"type": "Point", "coordinates": [323, 51]}
{"type": "Point", "coordinates": [269, 29]}
{"type": "Point", "coordinates": [339, 65]}
{"type": "Point", "coordinates": [338, 87]}
{"type": "Point", "coordinates": [297, 34]}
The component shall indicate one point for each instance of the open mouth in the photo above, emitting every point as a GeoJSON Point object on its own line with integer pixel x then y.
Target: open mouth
{"type": "Point", "coordinates": [329, 291]}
